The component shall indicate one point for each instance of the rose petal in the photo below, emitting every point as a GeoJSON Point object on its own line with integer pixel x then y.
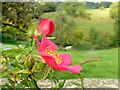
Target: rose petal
{"type": "Point", "coordinates": [49, 60]}
{"type": "Point", "coordinates": [46, 26]}
{"type": "Point", "coordinates": [52, 28]}
{"type": "Point", "coordinates": [74, 69]}
{"type": "Point", "coordinates": [66, 59]}
{"type": "Point", "coordinates": [46, 42]}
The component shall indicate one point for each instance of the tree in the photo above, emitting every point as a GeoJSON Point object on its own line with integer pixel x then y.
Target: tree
{"type": "Point", "coordinates": [115, 14]}
{"type": "Point", "coordinates": [18, 17]}
{"type": "Point", "coordinates": [92, 5]}
{"type": "Point", "coordinates": [50, 7]}
{"type": "Point", "coordinates": [64, 29]}
{"type": "Point", "coordinates": [19, 14]}
{"type": "Point", "coordinates": [73, 8]}
{"type": "Point", "coordinates": [114, 10]}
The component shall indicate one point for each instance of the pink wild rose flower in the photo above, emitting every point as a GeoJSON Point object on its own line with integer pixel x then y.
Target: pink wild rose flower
{"type": "Point", "coordinates": [46, 26]}
{"type": "Point", "coordinates": [47, 50]}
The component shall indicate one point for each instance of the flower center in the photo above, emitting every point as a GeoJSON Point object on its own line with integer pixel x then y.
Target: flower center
{"type": "Point", "coordinates": [55, 54]}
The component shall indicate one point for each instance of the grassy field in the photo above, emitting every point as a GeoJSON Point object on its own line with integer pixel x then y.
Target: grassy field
{"type": "Point", "coordinates": [108, 68]}
{"type": "Point", "coordinates": [100, 20]}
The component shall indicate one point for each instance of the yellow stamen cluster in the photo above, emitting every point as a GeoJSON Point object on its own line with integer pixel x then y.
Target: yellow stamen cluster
{"type": "Point", "coordinates": [55, 54]}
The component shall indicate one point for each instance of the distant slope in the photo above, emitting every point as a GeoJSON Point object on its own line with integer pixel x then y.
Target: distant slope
{"type": "Point", "coordinates": [100, 20]}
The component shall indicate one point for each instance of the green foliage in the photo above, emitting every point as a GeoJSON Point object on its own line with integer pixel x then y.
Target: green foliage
{"type": "Point", "coordinates": [50, 7]}
{"type": "Point", "coordinates": [29, 63]}
{"type": "Point", "coordinates": [73, 8]}
{"type": "Point", "coordinates": [6, 38]}
{"type": "Point", "coordinates": [79, 34]}
{"type": "Point", "coordinates": [64, 28]}
{"type": "Point", "coordinates": [105, 41]}
{"type": "Point", "coordinates": [93, 39]}
{"type": "Point", "coordinates": [114, 10]}
{"type": "Point", "coordinates": [94, 36]}
{"type": "Point", "coordinates": [92, 5]}
{"type": "Point", "coordinates": [61, 84]}
{"type": "Point", "coordinates": [80, 40]}
{"type": "Point", "coordinates": [79, 84]}
{"type": "Point", "coordinates": [102, 23]}
{"type": "Point", "coordinates": [13, 67]}
{"type": "Point", "coordinates": [20, 17]}
{"type": "Point", "coordinates": [99, 40]}
{"type": "Point", "coordinates": [115, 14]}
{"type": "Point", "coordinates": [22, 67]}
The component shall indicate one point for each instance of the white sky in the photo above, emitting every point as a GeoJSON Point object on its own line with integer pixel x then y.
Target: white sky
{"type": "Point", "coordinates": [93, 0]}
{"type": "Point", "coordinates": [100, 0]}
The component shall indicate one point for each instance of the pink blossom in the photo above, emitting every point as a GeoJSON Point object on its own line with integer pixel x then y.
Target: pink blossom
{"type": "Point", "coordinates": [61, 62]}
{"type": "Point", "coordinates": [46, 26]}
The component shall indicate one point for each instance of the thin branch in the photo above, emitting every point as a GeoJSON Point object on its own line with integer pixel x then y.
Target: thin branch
{"type": "Point", "coordinates": [90, 61]}
{"type": "Point", "coordinates": [17, 27]}
{"type": "Point", "coordinates": [81, 79]}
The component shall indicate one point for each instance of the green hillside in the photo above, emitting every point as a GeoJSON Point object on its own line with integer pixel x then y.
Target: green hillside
{"type": "Point", "coordinates": [100, 20]}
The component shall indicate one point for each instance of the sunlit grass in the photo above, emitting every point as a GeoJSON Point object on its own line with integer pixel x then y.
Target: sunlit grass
{"type": "Point", "coordinates": [100, 20]}
{"type": "Point", "coordinates": [108, 68]}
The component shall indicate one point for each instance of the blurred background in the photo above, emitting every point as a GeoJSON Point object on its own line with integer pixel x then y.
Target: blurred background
{"type": "Point", "coordinates": [88, 29]}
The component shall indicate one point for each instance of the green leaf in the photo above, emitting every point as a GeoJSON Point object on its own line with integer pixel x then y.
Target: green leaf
{"type": "Point", "coordinates": [20, 86]}
{"type": "Point", "coordinates": [55, 88]}
{"type": "Point", "coordinates": [15, 63]}
{"type": "Point", "coordinates": [81, 76]}
{"type": "Point", "coordinates": [5, 77]}
{"type": "Point", "coordinates": [11, 59]}
{"type": "Point", "coordinates": [25, 71]}
{"type": "Point", "coordinates": [3, 60]}
{"type": "Point", "coordinates": [24, 83]}
{"type": "Point", "coordinates": [31, 84]}
{"type": "Point", "coordinates": [55, 80]}
{"type": "Point", "coordinates": [11, 82]}
{"type": "Point", "coordinates": [29, 48]}
{"type": "Point", "coordinates": [34, 78]}
{"type": "Point", "coordinates": [29, 62]}
{"type": "Point", "coordinates": [77, 84]}
{"type": "Point", "coordinates": [13, 52]}
{"type": "Point", "coordinates": [39, 75]}
{"type": "Point", "coordinates": [0, 87]}
{"type": "Point", "coordinates": [47, 70]}
{"type": "Point", "coordinates": [6, 86]}
{"type": "Point", "coordinates": [13, 69]}
{"type": "Point", "coordinates": [25, 76]}
{"type": "Point", "coordinates": [61, 84]}
{"type": "Point", "coordinates": [4, 74]}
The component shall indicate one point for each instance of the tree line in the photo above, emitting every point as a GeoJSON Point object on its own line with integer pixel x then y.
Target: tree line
{"type": "Point", "coordinates": [92, 5]}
